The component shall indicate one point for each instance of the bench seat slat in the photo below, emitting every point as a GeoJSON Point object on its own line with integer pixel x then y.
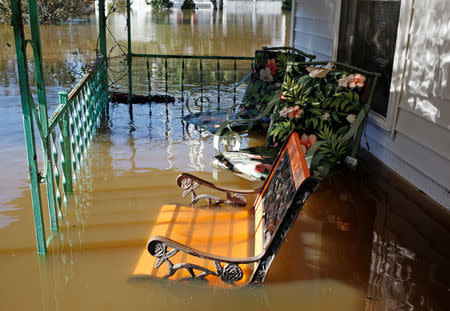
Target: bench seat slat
{"type": "Point", "coordinates": [225, 232]}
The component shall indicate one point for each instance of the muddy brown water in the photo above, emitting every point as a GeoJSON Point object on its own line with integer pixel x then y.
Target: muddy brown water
{"type": "Point", "coordinates": [365, 241]}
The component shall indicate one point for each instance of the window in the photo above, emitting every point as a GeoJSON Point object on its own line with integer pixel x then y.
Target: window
{"type": "Point", "coordinates": [367, 38]}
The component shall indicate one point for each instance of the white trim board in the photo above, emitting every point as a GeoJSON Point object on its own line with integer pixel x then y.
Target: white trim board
{"type": "Point", "coordinates": [419, 165]}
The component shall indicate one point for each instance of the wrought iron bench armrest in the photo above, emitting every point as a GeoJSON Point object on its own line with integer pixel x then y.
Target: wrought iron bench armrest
{"type": "Point", "coordinates": [194, 102]}
{"type": "Point", "coordinates": [225, 128]}
{"type": "Point", "coordinates": [190, 182]}
{"type": "Point", "coordinates": [229, 273]}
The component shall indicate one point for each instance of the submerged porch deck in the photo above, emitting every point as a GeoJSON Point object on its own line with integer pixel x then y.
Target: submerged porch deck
{"type": "Point", "coordinates": [365, 240]}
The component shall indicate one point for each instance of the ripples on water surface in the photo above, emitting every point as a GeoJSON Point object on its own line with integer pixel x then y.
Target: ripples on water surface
{"type": "Point", "coordinates": [364, 241]}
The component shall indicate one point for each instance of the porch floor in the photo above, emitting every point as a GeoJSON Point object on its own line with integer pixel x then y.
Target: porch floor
{"type": "Point", "coordinates": [366, 240]}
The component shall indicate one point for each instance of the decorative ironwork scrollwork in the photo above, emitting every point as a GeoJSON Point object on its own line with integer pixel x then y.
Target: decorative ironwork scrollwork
{"type": "Point", "coordinates": [229, 273]}
{"type": "Point", "coordinates": [189, 186]}
{"type": "Point", "coordinates": [278, 197]}
{"type": "Point", "coordinates": [236, 199]}
{"type": "Point", "coordinates": [199, 104]}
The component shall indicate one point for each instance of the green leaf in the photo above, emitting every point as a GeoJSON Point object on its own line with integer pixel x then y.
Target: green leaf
{"type": "Point", "coordinates": [349, 95]}
{"type": "Point", "coordinates": [307, 90]}
{"type": "Point", "coordinates": [329, 88]}
{"type": "Point", "coordinates": [315, 111]}
{"type": "Point", "coordinates": [336, 118]}
{"type": "Point", "coordinates": [320, 95]}
{"type": "Point", "coordinates": [344, 103]}
{"type": "Point", "coordinates": [305, 80]}
{"type": "Point", "coordinates": [326, 103]}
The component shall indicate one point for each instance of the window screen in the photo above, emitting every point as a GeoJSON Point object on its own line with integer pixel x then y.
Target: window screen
{"type": "Point", "coordinates": [367, 37]}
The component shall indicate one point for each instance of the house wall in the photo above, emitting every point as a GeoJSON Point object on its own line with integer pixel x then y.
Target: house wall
{"type": "Point", "coordinates": [315, 27]}
{"type": "Point", "coordinates": [414, 139]}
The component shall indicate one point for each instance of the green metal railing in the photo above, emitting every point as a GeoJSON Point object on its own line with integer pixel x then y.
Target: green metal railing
{"type": "Point", "coordinates": [70, 131]}
{"type": "Point", "coordinates": [67, 134]}
{"type": "Point", "coordinates": [73, 124]}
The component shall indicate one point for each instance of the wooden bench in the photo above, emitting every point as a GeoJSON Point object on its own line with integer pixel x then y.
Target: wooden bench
{"type": "Point", "coordinates": [228, 244]}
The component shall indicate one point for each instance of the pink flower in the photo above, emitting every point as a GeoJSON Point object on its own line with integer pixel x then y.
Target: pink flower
{"type": "Point", "coordinates": [291, 112]}
{"type": "Point", "coordinates": [307, 141]}
{"type": "Point", "coordinates": [312, 139]}
{"type": "Point", "coordinates": [356, 79]}
{"type": "Point", "coordinates": [296, 112]}
{"type": "Point", "coordinates": [272, 65]}
{"type": "Point", "coordinates": [343, 81]}
{"type": "Point", "coordinates": [261, 167]}
{"type": "Point", "coordinates": [325, 116]}
{"type": "Point", "coordinates": [264, 74]}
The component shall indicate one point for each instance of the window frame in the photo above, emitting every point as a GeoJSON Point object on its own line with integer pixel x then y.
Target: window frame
{"type": "Point", "coordinates": [388, 123]}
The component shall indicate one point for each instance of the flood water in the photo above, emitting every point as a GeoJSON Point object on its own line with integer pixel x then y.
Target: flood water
{"type": "Point", "coordinates": [364, 241]}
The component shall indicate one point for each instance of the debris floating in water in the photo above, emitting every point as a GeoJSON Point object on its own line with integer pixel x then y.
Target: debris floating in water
{"type": "Point", "coordinates": [120, 97]}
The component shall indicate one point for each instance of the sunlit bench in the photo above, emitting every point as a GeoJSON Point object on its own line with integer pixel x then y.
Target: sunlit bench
{"type": "Point", "coordinates": [232, 245]}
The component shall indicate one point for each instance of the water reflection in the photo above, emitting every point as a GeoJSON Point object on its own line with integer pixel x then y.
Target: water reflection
{"type": "Point", "coordinates": [67, 49]}
{"type": "Point", "coordinates": [205, 32]}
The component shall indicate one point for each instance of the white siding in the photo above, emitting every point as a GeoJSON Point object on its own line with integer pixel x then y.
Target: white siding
{"type": "Point", "coordinates": [419, 147]}
{"type": "Point", "coordinates": [316, 27]}
{"type": "Point", "coordinates": [414, 139]}
{"type": "Point", "coordinates": [426, 86]}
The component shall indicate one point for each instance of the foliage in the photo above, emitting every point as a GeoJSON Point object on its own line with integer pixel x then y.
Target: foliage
{"type": "Point", "coordinates": [118, 6]}
{"type": "Point", "coordinates": [259, 92]}
{"type": "Point", "coordinates": [188, 5]}
{"type": "Point", "coordinates": [50, 11]}
{"type": "Point", "coordinates": [160, 4]}
{"type": "Point", "coordinates": [286, 5]}
{"type": "Point", "coordinates": [280, 130]}
{"type": "Point", "coordinates": [326, 110]}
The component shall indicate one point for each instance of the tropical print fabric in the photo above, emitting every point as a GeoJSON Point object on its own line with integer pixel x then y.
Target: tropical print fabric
{"type": "Point", "coordinates": [210, 120]}
{"type": "Point", "coordinates": [269, 68]}
{"type": "Point", "coordinates": [253, 163]}
{"type": "Point", "coordinates": [321, 104]}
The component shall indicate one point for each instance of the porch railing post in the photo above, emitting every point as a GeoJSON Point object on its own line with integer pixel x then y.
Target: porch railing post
{"type": "Point", "coordinates": [66, 146]}
{"type": "Point", "coordinates": [17, 23]}
{"type": "Point", "coordinates": [43, 114]}
{"type": "Point", "coordinates": [129, 54]}
{"type": "Point", "coordinates": [102, 39]}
